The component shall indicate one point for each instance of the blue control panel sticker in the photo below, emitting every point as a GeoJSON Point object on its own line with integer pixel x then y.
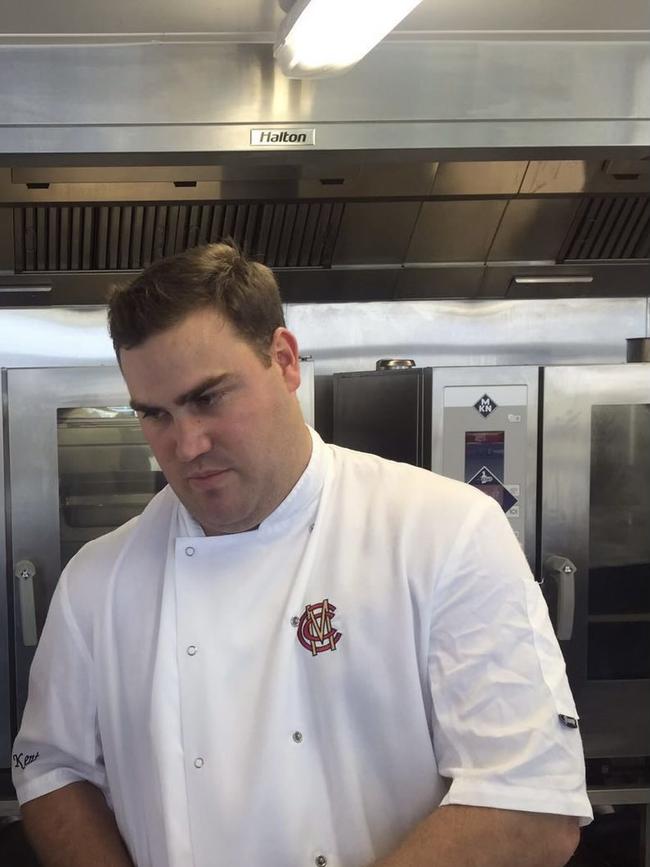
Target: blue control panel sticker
{"type": "Point", "coordinates": [490, 484]}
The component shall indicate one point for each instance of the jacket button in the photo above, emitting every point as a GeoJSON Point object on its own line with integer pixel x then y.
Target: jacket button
{"type": "Point", "coordinates": [191, 650]}
{"type": "Point", "coordinates": [320, 861]}
{"type": "Point", "coordinates": [295, 621]}
{"type": "Point", "coordinates": [189, 551]}
{"type": "Point", "coordinates": [297, 737]}
{"type": "Point", "coordinates": [198, 762]}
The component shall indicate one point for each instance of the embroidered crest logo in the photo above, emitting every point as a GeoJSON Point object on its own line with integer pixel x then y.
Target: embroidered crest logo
{"type": "Point", "coordinates": [315, 630]}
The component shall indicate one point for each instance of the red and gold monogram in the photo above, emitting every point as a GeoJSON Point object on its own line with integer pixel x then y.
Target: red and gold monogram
{"type": "Point", "coordinates": [315, 630]}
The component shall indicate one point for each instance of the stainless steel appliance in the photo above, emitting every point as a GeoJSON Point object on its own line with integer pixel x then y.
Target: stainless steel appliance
{"type": "Point", "coordinates": [78, 467]}
{"type": "Point", "coordinates": [475, 424]}
{"type": "Point", "coordinates": [589, 540]}
{"type": "Point", "coordinates": [595, 514]}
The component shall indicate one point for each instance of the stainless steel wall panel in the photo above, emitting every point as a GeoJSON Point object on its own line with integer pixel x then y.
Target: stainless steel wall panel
{"type": "Point", "coordinates": [352, 336]}
{"type": "Point", "coordinates": [347, 337]}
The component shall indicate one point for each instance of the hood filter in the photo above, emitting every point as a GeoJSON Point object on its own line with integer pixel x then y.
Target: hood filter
{"type": "Point", "coordinates": [609, 228]}
{"type": "Point", "coordinates": [131, 237]}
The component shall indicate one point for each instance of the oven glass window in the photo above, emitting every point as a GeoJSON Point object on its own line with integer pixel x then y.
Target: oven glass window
{"type": "Point", "coordinates": [107, 473]}
{"type": "Point", "coordinates": [619, 546]}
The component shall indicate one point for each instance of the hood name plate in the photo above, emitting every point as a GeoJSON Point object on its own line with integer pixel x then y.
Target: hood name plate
{"type": "Point", "coordinates": [289, 137]}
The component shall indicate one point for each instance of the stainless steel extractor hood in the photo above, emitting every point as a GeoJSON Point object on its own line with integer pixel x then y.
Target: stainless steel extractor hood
{"type": "Point", "coordinates": [338, 230]}
{"type": "Point", "coordinates": [443, 165]}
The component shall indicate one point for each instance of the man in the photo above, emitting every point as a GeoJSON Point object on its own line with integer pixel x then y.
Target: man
{"type": "Point", "coordinates": [297, 654]}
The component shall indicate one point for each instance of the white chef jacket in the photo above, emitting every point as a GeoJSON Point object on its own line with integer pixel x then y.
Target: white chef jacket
{"type": "Point", "coordinates": [303, 693]}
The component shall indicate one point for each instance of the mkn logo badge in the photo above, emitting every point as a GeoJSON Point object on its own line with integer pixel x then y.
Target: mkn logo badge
{"type": "Point", "coordinates": [485, 405]}
{"type": "Point", "coordinates": [315, 630]}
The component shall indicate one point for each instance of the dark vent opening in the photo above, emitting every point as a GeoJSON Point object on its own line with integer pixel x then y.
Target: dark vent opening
{"type": "Point", "coordinates": [609, 228]}
{"type": "Point", "coordinates": [131, 237]}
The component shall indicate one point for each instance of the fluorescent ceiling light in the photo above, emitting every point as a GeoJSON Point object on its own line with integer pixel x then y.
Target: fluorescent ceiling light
{"type": "Point", "coordinates": [326, 37]}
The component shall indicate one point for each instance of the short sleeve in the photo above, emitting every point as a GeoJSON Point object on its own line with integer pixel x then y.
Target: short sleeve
{"type": "Point", "coordinates": [503, 713]}
{"type": "Point", "coordinates": [58, 742]}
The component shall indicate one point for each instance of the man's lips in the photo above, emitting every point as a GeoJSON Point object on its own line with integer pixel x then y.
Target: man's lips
{"type": "Point", "coordinates": [205, 479]}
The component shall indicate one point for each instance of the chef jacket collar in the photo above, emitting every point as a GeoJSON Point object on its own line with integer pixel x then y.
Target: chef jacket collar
{"type": "Point", "coordinates": [296, 505]}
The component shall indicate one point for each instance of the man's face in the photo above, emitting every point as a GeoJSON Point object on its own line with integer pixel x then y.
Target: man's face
{"type": "Point", "coordinates": [225, 428]}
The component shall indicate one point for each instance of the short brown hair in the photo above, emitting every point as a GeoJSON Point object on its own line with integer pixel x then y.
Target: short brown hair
{"type": "Point", "coordinates": [216, 276]}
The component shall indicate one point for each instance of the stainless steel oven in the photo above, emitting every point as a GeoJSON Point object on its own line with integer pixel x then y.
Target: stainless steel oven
{"type": "Point", "coordinates": [582, 516]}
{"type": "Point", "coordinates": [78, 466]}
{"type": "Point", "coordinates": [595, 545]}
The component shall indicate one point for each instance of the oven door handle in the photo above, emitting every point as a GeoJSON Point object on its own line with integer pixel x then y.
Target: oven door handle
{"type": "Point", "coordinates": [25, 573]}
{"type": "Point", "coordinates": [562, 572]}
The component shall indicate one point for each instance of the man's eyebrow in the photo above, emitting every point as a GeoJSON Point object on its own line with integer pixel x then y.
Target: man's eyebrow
{"type": "Point", "coordinates": [197, 391]}
{"type": "Point", "coordinates": [186, 397]}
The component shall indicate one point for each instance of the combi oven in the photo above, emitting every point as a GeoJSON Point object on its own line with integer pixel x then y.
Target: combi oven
{"type": "Point", "coordinates": [76, 466]}
{"type": "Point", "coordinates": [566, 452]}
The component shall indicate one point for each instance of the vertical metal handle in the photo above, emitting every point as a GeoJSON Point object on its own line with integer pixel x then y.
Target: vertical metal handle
{"type": "Point", "coordinates": [562, 571]}
{"type": "Point", "coordinates": [25, 572]}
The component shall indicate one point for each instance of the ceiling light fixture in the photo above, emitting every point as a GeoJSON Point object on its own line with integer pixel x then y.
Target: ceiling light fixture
{"type": "Point", "coordinates": [326, 37]}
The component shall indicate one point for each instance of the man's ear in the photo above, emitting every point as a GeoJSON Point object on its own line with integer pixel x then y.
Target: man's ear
{"type": "Point", "coordinates": [284, 353]}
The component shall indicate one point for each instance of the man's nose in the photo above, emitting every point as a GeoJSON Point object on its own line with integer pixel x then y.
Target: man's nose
{"type": "Point", "coordinates": [192, 439]}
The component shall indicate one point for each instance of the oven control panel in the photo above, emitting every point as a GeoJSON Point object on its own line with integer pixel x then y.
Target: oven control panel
{"type": "Point", "coordinates": [484, 443]}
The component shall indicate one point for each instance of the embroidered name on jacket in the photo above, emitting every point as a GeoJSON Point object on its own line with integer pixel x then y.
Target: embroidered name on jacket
{"type": "Point", "coordinates": [315, 630]}
{"type": "Point", "coordinates": [22, 760]}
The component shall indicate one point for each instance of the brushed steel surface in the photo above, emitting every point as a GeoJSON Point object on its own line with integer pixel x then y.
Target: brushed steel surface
{"type": "Point", "coordinates": [6, 703]}
{"type": "Point", "coordinates": [532, 229]}
{"type": "Point", "coordinates": [136, 98]}
{"type": "Point", "coordinates": [578, 176]}
{"type": "Point", "coordinates": [343, 337]}
{"type": "Point", "coordinates": [495, 376]}
{"type": "Point", "coordinates": [615, 714]}
{"type": "Point", "coordinates": [624, 795]}
{"type": "Point", "coordinates": [256, 19]}
{"type": "Point", "coordinates": [33, 397]}
{"type": "Point", "coordinates": [455, 231]}
{"type": "Point", "coordinates": [353, 336]}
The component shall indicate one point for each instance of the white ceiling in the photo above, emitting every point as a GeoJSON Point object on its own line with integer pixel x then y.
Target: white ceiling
{"type": "Point", "coordinates": [258, 19]}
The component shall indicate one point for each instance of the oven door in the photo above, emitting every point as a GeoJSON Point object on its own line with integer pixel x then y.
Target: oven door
{"type": "Point", "coordinates": [595, 546]}
{"type": "Point", "coordinates": [78, 467]}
